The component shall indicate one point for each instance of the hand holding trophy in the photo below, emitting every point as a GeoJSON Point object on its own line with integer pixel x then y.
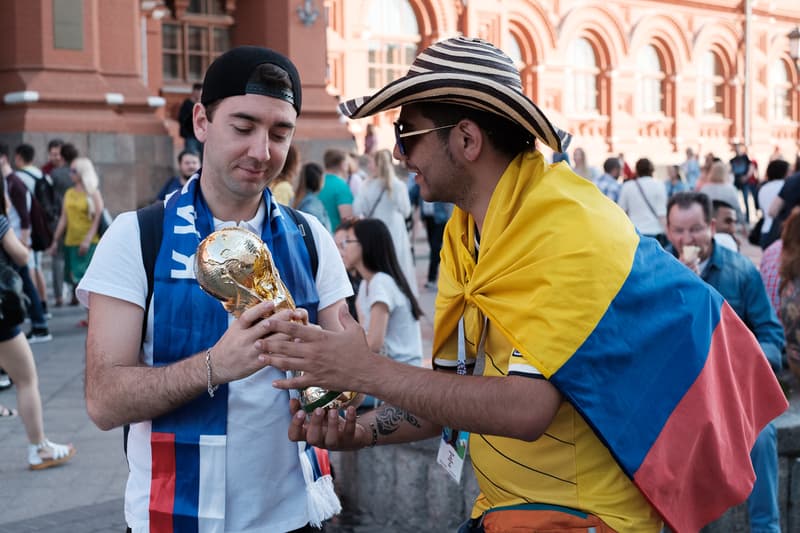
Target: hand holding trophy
{"type": "Point", "coordinates": [234, 266]}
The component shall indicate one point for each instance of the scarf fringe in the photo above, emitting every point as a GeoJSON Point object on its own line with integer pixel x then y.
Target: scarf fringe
{"type": "Point", "coordinates": [323, 503]}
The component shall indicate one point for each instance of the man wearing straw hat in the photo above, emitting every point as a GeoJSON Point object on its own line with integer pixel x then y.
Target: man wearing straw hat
{"type": "Point", "coordinates": [585, 410]}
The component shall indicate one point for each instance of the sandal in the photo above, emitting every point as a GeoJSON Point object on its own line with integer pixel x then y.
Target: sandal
{"type": "Point", "coordinates": [6, 412]}
{"type": "Point", "coordinates": [47, 454]}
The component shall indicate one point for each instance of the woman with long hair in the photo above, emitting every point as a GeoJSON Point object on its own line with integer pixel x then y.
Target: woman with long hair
{"type": "Point", "coordinates": [306, 188]}
{"type": "Point", "coordinates": [79, 221]}
{"type": "Point", "coordinates": [387, 308]}
{"type": "Point", "coordinates": [17, 359]}
{"type": "Point", "coordinates": [789, 289]}
{"type": "Point", "coordinates": [385, 197]}
{"type": "Point", "coordinates": [705, 170]}
{"type": "Point", "coordinates": [581, 166]}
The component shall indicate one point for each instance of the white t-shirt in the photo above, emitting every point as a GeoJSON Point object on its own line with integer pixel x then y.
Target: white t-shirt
{"type": "Point", "coordinates": [727, 241]}
{"type": "Point", "coordinates": [766, 194]}
{"type": "Point", "coordinates": [633, 203]}
{"type": "Point", "coordinates": [265, 487]}
{"type": "Point", "coordinates": [403, 338]}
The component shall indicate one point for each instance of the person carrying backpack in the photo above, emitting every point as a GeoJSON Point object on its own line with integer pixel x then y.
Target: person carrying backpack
{"type": "Point", "coordinates": [33, 278]}
{"type": "Point", "coordinates": [191, 387]}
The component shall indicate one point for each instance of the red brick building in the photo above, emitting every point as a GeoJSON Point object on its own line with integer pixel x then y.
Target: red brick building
{"type": "Point", "coordinates": [642, 77]}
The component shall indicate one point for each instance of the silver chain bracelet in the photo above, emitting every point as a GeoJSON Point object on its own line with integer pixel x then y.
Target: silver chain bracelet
{"type": "Point", "coordinates": [211, 388]}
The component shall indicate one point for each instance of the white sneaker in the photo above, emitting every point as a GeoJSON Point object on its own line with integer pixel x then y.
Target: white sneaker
{"type": "Point", "coordinates": [37, 335]}
{"type": "Point", "coordinates": [47, 454]}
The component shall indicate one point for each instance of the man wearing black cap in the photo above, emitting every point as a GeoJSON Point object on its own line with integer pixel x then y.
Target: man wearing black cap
{"type": "Point", "coordinates": [580, 415]}
{"type": "Point", "coordinates": [207, 445]}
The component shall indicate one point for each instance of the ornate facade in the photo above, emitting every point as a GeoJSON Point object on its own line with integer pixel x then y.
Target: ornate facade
{"type": "Point", "coordinates": [644, 78]}
{"type": "Point", "coordinates": [641, 77]}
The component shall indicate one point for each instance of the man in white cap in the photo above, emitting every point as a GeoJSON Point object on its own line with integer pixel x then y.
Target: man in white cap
{"type": "Point", "coordinates": [580, 415]}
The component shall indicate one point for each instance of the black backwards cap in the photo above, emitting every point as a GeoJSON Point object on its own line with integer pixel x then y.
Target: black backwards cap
{"type": "Point", "coordinates": [231, 74]}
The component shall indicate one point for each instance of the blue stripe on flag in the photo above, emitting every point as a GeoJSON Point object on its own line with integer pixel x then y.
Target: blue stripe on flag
{"type": "Point", "coordinates": [643, 355]}
{"type": "Point", "coordinates": [187, 484]}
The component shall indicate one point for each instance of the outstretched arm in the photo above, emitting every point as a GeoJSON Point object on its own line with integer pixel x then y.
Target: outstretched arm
{"type": "Point", "coordinates": [511, 406]}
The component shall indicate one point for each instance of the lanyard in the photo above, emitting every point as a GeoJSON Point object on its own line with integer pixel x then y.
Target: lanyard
{"type": "Point", "coordinates": [480, 356]}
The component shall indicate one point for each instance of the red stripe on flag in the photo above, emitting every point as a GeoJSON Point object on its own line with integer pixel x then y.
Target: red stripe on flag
{"type": "Point", "coordinates": [323, 460]}
{"type": "Point", "coordinates": [162, 484]}
{"type": "Point", "coordinates": [700, 464]}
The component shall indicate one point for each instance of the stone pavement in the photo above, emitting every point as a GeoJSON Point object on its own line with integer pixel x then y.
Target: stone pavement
{"type": "Point", "coordinates": [85, 494]}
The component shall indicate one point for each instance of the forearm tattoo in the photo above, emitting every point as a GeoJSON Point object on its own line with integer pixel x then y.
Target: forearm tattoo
{"type": "Point", "coordinates": [389, 418]}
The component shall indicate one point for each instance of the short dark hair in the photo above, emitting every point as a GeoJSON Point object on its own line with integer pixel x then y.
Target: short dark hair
{"type": "Point", "coordinates": [69, 153]}
{"type": "Point", "coordinates": [644, 167]}
{"type": "Point", "coordinates": [333, 158]}
{"type": "Point", "coordinates": [266, 74]}
{"type": "Point", "coordinates": [186, 152]}
{"type": "Point", "coordinates": [777, 170]}
{"type": "Point", "coordinates": [197, 86]}
{"type": "Point", "coordinates": [611, 164]}
{"type": "Point", "coordinates": [55, 143]}
{"type": "Point", "coordinates": [4, 150]}
{"type": "Point", "coordinates": [26, 152]}
{"type": "Point", "coordinates": [311, 175]}
{"type": "Point", "coordinates": [504, 135]}
{"type": "Point", "coordinates": [684, 200]}
{"type": "Point", "coordinates": [718, 204]}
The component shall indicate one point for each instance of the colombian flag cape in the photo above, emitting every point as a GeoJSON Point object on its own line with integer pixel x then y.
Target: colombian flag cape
{"type": "Point", "coordinates": [653, 358]}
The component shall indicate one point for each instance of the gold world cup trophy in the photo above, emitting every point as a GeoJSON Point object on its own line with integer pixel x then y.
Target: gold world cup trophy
{"type": "Point", "coordinates": [235, 266]}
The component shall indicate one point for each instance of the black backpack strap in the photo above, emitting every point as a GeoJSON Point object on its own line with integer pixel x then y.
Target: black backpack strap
{"type": "Point", "coordinates": [308, 237]}
{"type": "Point", "coordinates": [151, 229]}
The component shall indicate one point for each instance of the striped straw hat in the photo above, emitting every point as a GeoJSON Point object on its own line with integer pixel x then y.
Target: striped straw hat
{"type": "Point", "coordinates": [469, 72]}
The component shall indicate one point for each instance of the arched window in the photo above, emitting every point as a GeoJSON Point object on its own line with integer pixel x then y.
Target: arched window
{"type": "Point", "coordinates": [650, 81]}
{"type": "Point", "coordinates": [513, 49]}
{"type": "Point", "coordinates": [781, 87]}
{"type": "Point", "coordinates": [712, 85]}
{"type": "Point", "coordinates": [193, 42]}
{"type": "Point", "coordinates": [393, 40]}
{"type": "Point", "coordinates": [582, 80]}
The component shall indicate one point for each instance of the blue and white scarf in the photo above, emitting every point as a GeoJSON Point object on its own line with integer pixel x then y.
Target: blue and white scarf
{"type": "Point", "coordinates": [188, 444]}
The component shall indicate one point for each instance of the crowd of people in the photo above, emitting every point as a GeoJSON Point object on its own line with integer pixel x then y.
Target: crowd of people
{"type": "Point", "coordinates": [20, 260]}
{"type": "Point", "coordinates": [571, 412]}
{"type": "Point", "coordinates": [55, 210]}
{"type": "Point", "coordinates": [702, 215]}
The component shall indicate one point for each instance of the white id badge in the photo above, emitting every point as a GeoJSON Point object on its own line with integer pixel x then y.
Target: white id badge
{"type": "Point", "coordinates": [452, 450]}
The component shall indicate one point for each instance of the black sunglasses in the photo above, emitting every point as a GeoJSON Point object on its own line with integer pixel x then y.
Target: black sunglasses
{"type": "Point", "coordinates": [399, 135]}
